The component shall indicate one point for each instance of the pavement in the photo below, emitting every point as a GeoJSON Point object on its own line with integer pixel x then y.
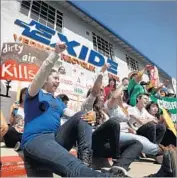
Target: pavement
{"type": "Point", "coordinates": [138, 168]}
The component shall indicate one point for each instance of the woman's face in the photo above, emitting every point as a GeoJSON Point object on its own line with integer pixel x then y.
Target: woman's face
{"type": "Point", "coordinates": [162, 93]}
{"type": "Point", "coordinates": [111, 83]}
{"type": "Point", "coordinates": [52, 82]}
{"type": "Point", "coordinates": [153, 109]}
{"type": "Point", "coordinates": [62, 70]}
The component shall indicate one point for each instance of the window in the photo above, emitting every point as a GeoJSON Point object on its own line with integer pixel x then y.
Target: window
{"type": "Point", "coordinates": [43, 13]}
{"type": "Point", "coordinates": [132, 63]}
{"type": "Point", "coordinates": [102, 46]}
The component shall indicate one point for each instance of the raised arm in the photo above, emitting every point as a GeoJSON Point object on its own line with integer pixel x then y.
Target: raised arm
{"type": "Point", "coordinates": [87, 105]}
{"type": "Point", "coordinates": [116, 95]}
{"type": "Point", "coordinates": [161, 86]}
{"type": "Point", "coordinates": [45, 69]}
{"type": "Point", "coordinates": [98, 82]}
{"type": "Point", "coordinates": [139, 76]}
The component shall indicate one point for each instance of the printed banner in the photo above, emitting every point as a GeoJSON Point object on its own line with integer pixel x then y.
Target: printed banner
{"type": "Point", "coordinates": [153, 75]}
{"type": "Point", "coordinates": [169, 122]}
{"type": "Point", "coordinates": [19, 65]}
{"type": "Point", "coordinates": [168, 103]}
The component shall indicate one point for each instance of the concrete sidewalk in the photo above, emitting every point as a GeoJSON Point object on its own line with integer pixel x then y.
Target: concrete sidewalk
{"type": "Point", "coordinates": [140, 168]}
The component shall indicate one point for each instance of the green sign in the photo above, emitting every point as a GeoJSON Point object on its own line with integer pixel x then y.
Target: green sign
{"type": "Point", "coordinates": [168, 103]}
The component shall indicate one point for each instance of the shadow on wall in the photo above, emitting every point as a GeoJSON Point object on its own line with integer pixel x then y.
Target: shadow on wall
{"type": "Point", "coordinates": [7, 97]}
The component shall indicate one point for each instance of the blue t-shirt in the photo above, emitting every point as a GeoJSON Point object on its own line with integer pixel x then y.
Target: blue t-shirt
{"type": "Point", "coordinates": [42, 115]}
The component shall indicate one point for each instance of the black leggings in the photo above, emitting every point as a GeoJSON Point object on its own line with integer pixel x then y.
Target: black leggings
{"type": "Point", "coordinates": [169, 138]}
{"type": "Point", "coordinates": [12, 137]}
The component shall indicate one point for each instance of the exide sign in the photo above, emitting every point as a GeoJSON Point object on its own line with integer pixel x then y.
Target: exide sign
{"type": "Point", "coordinates": [43, 34]}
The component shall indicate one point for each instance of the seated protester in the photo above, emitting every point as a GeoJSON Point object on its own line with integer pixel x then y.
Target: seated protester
{"type": "Point", "coordinates": [154, 110]}
{"type": "Point", "coordinates": [118, 110]}
{"type": "Point", "coordinates": [134, 87]}
{"type": "Point", "coordinates": [125, 82]}
{"type": "Point", "coordinates": [163, 92]}
{"type": "Point", "coordinates": [152, 90]}
{"type": "Point", "coordinates": [65, 100]}
{"type": "Point", "coordinates": [109, 88]}
{"type": "Point", "coordinates": [144, 123]}
{"type": "Point", "coordinates": [105, 138]}
{"type": "Point", "coordinates": [13, 137]}
{"type": "Point", "coordinates": [44, 140]}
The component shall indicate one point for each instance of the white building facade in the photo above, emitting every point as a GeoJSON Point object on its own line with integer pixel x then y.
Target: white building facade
{"type": "Point", "coordinates": [42, 23]}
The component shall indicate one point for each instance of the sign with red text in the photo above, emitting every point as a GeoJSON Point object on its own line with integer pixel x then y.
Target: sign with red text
{"type": "Point", "coordinates": [19, 65]}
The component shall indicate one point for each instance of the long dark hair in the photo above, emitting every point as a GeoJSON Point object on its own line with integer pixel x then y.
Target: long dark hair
{"type": "Point", "coordinates": [23, 90]}
{"type": "Point", "coordinates": [100, 118]}
{"type": "Point", "coordinates": [112, 79]}
{"type": "Point", "coordinates": [149, 106]}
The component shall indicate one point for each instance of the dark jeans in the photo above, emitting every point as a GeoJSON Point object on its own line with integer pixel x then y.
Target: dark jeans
{"type": "Point", "coordinates": [105, 143]}
{"type": "Point", "coordinates": [169, 138]}
{"type": "Point", "coordinates": [130, 150]}
{"type": "Point", "coordinates": [12, 137]}
{"type": "Point", "coordinates": [52, 149]}
{"type": "Point", "coordinates": [154, 132]}
{"type": "Point", "coordinates": [107, 134]}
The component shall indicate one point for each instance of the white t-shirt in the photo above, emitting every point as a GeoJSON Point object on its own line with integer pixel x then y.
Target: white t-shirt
{"type": "Point", "coordinates": [143, 115]}
{"type": "Point", "coordinates": [117, 113]}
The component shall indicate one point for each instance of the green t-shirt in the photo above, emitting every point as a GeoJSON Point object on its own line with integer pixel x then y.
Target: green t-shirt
{"type": "Point", "coordinates": [137, 89]}
{"type": "Point", "coordinates": [131, 85]}
{"type": "Point", "coordinates": [153, 91]}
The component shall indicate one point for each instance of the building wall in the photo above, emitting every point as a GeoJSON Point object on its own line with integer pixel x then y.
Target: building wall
{"type": "Point", "coordinates": [73, 27]}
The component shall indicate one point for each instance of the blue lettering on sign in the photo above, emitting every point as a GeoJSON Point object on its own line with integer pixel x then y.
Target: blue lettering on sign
{"type": "Point", "coordinates": [93, 56]}
{"type": "Point", "coordinates": [44, 34]}
{"type": "Point", "coordinates": [36, 31]}
{"type": "Point", "coordinates": [70, 44]}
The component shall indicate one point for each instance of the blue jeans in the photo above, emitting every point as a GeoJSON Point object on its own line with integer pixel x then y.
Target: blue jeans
{"type": "Point", "coordinates": [52, 149]}
{"type": "Point", "coordinates": [148, 147]}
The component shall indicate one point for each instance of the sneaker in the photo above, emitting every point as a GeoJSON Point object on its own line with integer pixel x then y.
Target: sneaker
{"type": "Point", "coordinates": [17, 146]}
{"type": "Point", "coordinates": [169, 165]}
{"type": "Point", "coordinates": [115, 171]}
